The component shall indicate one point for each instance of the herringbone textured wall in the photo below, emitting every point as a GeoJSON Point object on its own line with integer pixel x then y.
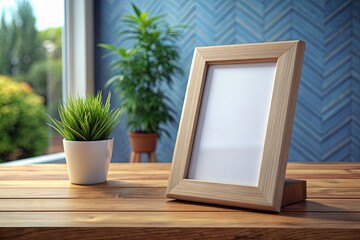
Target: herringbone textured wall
{"type": "Point", "coordinates": [327, 120]}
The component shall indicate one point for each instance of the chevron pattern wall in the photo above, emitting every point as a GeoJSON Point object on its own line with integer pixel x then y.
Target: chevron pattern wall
{"type": "Point", "coordinates": [327, 118]}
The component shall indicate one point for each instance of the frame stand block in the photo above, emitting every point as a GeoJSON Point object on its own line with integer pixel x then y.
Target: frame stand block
{"type": "Point", "coordinates": [294, 191]}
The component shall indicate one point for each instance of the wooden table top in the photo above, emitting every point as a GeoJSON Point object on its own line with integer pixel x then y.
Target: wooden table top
{"type": "Point", "coordinates": [37, 199]}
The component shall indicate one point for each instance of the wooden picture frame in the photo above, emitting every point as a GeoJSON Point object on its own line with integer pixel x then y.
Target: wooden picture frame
{"type": "Point", "coordinates": [267, 193]}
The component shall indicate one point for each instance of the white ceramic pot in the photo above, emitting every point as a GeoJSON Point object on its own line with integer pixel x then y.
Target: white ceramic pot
{"type": "Point", "coordinates": [88, 161]}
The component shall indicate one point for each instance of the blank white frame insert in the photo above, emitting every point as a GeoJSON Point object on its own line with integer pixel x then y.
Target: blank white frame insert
{"type": "Point", "coordinates": [231, 128]}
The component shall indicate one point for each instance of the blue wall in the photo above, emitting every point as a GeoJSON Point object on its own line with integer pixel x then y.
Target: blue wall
{"type": "Point", "coordinates": [327, 119]}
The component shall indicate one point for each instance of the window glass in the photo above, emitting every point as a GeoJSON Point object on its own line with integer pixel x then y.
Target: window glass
{"type": "Point", "coordinates": [30, 76]}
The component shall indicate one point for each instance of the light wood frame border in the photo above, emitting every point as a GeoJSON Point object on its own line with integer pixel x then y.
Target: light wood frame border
{"type": "Point", "coordinates": [268, 195]}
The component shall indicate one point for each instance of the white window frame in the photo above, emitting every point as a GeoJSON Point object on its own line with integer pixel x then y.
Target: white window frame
{"type": "Point", "coordinates": [78, 70]}
{"type": "Point", "coordinates": [78, 61]}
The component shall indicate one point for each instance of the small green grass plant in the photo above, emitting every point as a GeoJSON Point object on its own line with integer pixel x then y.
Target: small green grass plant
{"type": "Point", "coordinates": [86, 119]}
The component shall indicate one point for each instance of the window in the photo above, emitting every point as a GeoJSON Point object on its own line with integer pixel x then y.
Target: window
{"type": "Point", "coordinates": [77, 71]}
{"type": "Point", "coordinates": [30, 76]}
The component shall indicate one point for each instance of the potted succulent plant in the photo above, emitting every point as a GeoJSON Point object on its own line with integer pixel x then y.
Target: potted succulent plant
{"type": "Point", "coordinates": [142, 71]}
{"type": "Point", "coordinates": [85, 124]}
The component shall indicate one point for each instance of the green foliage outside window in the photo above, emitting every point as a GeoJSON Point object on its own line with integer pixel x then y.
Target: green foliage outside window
{"type": "Point", "coordinates": [31, 56]}
{"type": "Point", "coordinates": [27, 54]}
{"type": "Point", "coordinates": [22, 121]}
{"type": "Point", "coordinates": [19, 41]}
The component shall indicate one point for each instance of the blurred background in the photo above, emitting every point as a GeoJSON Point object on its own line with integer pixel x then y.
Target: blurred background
{"type": "Point", "coordinates": [327, 118]}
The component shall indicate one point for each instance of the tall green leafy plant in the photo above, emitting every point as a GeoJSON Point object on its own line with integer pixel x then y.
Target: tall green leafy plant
{"type": "Point", "coordinates": [86, 119]}
{"type": "Point", "coordinates": [143, 70]}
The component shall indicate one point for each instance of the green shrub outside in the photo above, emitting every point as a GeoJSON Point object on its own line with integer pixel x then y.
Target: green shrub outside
{"type": "Point", "coordinates": [23, 131]}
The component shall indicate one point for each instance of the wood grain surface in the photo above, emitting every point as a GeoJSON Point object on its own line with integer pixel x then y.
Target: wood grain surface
{"type": "Point", "coordinates": [38, 202]}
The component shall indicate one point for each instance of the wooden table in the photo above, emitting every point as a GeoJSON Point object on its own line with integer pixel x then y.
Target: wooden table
{"type": "Point", "coordinates": [38, 202]}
